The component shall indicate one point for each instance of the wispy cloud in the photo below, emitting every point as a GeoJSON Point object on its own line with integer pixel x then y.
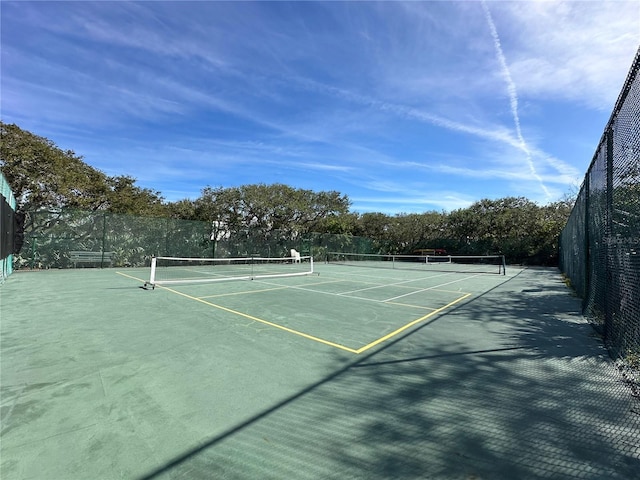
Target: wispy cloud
{"type": "Point", "coordinates": [413, 203]}
{"type": "Point", "coordinates": [401, 105]}
{"type": "Point", "coordinates": [496, 134]}
{"type": "Point", "coordinates": [513, 97]}
{"type": "Point", "coordinates": [577, 52]}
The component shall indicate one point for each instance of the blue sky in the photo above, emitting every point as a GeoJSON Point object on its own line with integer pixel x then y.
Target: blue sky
{"type": "Point", "coordinates": [402, 106]}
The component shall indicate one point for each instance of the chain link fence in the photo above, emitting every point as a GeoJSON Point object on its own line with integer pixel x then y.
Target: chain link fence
{"type": "Point", "coordinates": [54, 239]}
{"type": "Point", "coordinates": [600, 245]}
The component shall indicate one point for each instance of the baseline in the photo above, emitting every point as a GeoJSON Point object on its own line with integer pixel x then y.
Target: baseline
{"type": "Point", "coordinates": [307, 336]}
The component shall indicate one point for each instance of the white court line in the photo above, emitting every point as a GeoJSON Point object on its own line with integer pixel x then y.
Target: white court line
{"type": "Point", "coordinates": [208, 273]}
{"type": "Point", "coordinates": [380, 285]}
{"type": "Point", "coordinates": [403, 281]}
{"type": "Point", "coordinates": [294, 287]}
{"type": "Point", "coordinates": [431, 288]}
{"type": "Point", "coordinates": [346, 294]}
{"type": "Point", "coordinates": [377, 277]}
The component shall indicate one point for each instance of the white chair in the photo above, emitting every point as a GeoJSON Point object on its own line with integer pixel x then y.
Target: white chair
{"type": "Point", "coordinates": [295, 256]}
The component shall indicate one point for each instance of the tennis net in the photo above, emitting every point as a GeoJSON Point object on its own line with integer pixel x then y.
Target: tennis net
{"type": "Point", "coordinates": [176, 270]}
{"type": "Point", "coordinates": [445, 263]}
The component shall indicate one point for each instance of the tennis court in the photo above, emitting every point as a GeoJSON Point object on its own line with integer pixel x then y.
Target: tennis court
{"type": "Point", "coordinates": [348, 372]}
{"type": "Point", "coordinates": [352, 309]}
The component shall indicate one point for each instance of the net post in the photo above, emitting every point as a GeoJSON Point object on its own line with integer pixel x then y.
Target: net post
{"type": "Point", "coordinates": [503, 263]}
{"type": "Point", "coordinates": [152, 276]}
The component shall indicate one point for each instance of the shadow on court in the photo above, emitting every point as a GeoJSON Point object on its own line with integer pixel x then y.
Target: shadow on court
{"type": "Point", "coordinates": [512, 384]}
{"type": "Point", "coordinates": [515, 385]}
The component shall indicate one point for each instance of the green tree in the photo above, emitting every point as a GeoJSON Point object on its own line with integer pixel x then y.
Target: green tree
{"type": "Point", "coordinates": [266, 208]}
{"type": "Point", "coordinates": [513, 226]}
{"type": "Point", "coordinates": [221, 208]}
{"type": "Point", "coordinates": [125, 197]}
{"type": "Point", "coordinates": [551, 221]}
{"type": "Point", "coordinates": [417, 230]}
{"type": "Point", "coordinates": [184, 209]}
{"type": "Point", "coordinates": [344, 223]}
{"type": "Point", "coordinates": [43, 176]}
{"type": "Point", "coordinates": [378, 227]}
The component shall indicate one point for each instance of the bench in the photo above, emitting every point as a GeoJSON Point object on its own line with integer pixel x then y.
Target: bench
{"type": "Point", "coordinates": [91, 257]}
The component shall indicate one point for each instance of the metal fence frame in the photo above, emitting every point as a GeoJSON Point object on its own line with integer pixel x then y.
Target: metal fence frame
{"type": "Point", "coordinates": [600, 245]}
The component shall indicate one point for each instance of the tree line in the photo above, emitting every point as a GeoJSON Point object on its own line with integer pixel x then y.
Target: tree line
{"type": "Point", "coordinates": [45, 177]}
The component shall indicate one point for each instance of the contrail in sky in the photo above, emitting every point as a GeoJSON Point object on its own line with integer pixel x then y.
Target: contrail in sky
{"type": "Point", "coordinates": [513, 97]}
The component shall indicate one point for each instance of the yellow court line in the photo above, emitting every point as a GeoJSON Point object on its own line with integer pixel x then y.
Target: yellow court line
{"type": "Point", "coordinates": [409, 325]}
{"type": "Point", "coordinates": [130, 276]}
{"type": "Point", "coordinates": [422, 307]}
{"type": "Point", "coordinates": [410, 306]}
{"type": "Point", "coordinates": [305, 335]}
{"type": "Point", "coordinates": [256, 319]}
{"type": "Point", "coordinates": [250, 317]}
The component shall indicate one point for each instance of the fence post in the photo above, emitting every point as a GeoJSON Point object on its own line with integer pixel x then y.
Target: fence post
{"type": "Point", "coordinates": [34, 249]}
{"type": "Point", "coordinates": [608, 316]}
{"type": "Point", "coordinates": [587, 242]}
{"type": "Point", "coordinates": [104, 238]}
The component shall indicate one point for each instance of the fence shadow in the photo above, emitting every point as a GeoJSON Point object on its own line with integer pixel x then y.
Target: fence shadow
{"type": "Point", "coordinates": [510, 385]}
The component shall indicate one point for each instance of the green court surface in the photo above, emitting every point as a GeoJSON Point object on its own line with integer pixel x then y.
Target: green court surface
{"type": "Point", "coordinates": [349, 373]}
